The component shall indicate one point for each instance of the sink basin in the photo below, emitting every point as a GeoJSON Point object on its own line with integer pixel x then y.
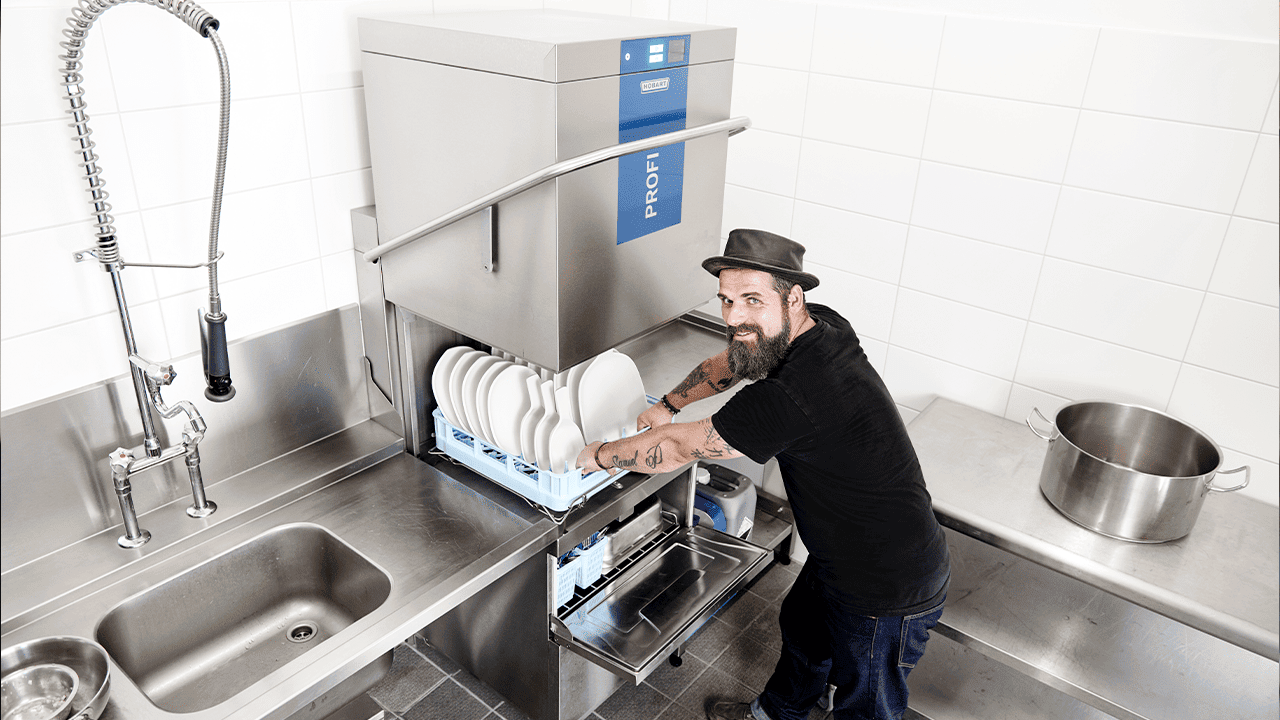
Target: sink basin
{"type": "Point", "coordinates": [199, 638]}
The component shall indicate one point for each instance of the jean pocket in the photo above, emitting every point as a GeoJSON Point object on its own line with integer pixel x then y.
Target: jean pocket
{"type": "Point", "coordinates": [915, 633]}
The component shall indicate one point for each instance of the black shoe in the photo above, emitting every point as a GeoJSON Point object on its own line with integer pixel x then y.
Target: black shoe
{"type": "Point", "coordinates": [721, 710]}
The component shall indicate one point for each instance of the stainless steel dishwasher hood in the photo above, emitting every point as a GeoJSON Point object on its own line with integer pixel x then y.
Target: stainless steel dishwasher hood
{"type": "Point", "coordinates": [461, 105]}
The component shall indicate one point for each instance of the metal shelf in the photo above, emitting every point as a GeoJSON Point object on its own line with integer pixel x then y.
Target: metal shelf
{"type": "Point", "coordinates": [1095, 647]}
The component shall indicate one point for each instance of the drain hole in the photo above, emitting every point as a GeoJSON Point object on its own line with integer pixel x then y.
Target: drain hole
{"type": "Point", "coordinates": [302, 632]}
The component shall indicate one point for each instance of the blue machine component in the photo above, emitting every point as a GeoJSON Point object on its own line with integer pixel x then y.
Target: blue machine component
{"type": "Point", "coordinates": [706, 505]}
{"type": "Point", "coordinates": [653, 94]}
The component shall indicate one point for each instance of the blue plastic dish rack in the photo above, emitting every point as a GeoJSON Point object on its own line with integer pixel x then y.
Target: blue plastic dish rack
{"type": "Point", "coordinates": [554, 491]}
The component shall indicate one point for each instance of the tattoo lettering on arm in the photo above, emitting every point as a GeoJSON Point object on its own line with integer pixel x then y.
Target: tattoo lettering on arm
{"type": "Point", "coordinates": [695, 378]}
{"type": "Point", "coordinates": [653, 458]}
{"type": "Point", "coordinates": [623, 462]}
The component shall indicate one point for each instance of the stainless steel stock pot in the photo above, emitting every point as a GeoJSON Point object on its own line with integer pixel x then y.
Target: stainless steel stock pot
{"type": "Point", "coordinates": [1127, 471]}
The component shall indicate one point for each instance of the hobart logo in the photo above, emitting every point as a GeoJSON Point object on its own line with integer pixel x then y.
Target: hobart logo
{"type": "Point", "coordinates": [652, 86]}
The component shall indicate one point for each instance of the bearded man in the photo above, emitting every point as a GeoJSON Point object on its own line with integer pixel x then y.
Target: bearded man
{"type": "Point", "coordinates": [858, 615]}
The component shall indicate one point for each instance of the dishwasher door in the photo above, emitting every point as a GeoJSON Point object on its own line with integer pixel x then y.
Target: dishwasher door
{"type": "Point", "coordinates": [640, 614]}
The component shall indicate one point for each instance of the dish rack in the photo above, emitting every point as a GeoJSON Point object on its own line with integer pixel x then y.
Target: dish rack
{"type": "Point", "coordinates": [553, 491]}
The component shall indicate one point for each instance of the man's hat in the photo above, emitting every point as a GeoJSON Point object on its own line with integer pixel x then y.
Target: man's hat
{"type": "Point", "coordinates": [760, 250]}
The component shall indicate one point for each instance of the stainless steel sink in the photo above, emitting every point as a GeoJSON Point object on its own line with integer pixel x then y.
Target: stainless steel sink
{"type": "Point", "coordinates": [199, 638]}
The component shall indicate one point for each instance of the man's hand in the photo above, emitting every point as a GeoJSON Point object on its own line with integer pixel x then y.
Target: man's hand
{"type": "Point", "coordinates": [656, 416]}
{"type": "Point", "coordinates": [587, 459]}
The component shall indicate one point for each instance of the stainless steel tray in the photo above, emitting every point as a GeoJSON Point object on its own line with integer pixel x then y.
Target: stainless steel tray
{"type": "Point", "coordinates": [642, 615]}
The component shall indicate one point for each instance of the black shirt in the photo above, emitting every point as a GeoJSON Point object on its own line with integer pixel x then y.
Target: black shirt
{"type": "Point", "coordinates": [849, 468]}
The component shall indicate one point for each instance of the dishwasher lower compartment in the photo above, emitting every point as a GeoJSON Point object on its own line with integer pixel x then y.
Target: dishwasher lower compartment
{"type": "Point", "coordinates": [561, 664]}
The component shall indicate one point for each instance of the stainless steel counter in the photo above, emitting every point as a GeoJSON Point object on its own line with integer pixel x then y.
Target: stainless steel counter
{"type": "Point", "coordinates": [440, 534]}
{"type": "Point", "coordinates": [1223, 579]}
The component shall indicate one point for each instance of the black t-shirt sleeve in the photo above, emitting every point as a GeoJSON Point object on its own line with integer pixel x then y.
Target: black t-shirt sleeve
{"type": "Point", "coordinates": [761, 420]}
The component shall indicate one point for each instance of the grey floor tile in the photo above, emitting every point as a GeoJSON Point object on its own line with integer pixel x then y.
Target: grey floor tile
{"type": "Point", "coordinates": [439, 659]}
{"type": "Point", "coordinates": [450, 701]}
{"type": "Point", "coordinates": [679, 712]}
{"type": "Point", "coordinates": [743, 610]}
{"type": "Point", "coordinates": [765, 629]}
{"type": "Point", "coordinates": [487, 695]}
{"type": "Point", "coordinates": [508, 711]}
{"type": "Point", "coordinates": [713, 684]}
{"type": "Point", "coordinates": [774, 583]}
{"type": "Point", "coordinates": [749, 662]}
{"type": "Point", "coordinates": [711, 640]}
{"type": "Point", "coordinates": [671, 681]}
{"type": "Point", "coordinates": [409, 678]}
{"type": "Point", "coordinates": [633, 702]}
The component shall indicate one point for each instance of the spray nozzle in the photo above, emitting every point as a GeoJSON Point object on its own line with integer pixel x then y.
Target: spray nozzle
{"type": "Point", "coordinates": [213, 350]}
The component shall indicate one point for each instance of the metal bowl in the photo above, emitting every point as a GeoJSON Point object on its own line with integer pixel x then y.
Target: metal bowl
{"type": "Point", "coordinates": [38, 692]}
{"type": "Point", "coordinates": [84, 657]}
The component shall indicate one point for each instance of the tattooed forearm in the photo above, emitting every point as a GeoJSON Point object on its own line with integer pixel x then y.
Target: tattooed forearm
{"type": "Point", "coordinates": [695, 378]}
{"type": "Point", "coordinates": [653, 458]}
{"type": "Point", "coordinates": [619, 461]}
{"type": "Point", "coordinates": [713, 446]}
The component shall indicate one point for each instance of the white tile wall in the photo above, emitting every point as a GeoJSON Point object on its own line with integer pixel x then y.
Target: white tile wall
{"type": "Point", "coordinates": [1068, 201]}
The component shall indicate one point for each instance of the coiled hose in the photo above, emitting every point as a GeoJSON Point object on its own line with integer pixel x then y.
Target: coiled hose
{"type": "Point", "coordinates": [83, 15]}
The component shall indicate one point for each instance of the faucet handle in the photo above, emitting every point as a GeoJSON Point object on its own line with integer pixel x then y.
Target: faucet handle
{"type": "Point", "coordinates": [157, 373]}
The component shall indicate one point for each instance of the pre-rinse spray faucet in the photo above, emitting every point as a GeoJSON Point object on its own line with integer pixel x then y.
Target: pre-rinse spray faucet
{"type": "Point", "coordinates": [147, 376]}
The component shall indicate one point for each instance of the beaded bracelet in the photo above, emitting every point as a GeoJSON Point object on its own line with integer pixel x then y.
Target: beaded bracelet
{"type": "Point", "coordinates": [667, 404]}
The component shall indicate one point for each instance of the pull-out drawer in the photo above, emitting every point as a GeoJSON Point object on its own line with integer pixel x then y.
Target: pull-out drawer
{"type": "Point", "coordinates": [635, 618]}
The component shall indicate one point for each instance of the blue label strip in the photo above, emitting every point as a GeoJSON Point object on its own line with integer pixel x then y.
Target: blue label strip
{"type": "Point", "coordinates": [652, 102]}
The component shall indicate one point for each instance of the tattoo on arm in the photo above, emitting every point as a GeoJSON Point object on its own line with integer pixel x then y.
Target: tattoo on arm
{"type": "Point", "coordinates": [653, 458]}
{"type": "Point", "coordinates": [695, 378]}
{"type": "Point", "coordinates": [621, 462]}
{"type": "Point", "coordinates": [713, 445]}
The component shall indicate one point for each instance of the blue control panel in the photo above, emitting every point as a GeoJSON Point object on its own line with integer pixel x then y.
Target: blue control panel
{"type": "Point", "coordinates": [653, 95]}
{"type": "Point", "coordinates": [654, 53]}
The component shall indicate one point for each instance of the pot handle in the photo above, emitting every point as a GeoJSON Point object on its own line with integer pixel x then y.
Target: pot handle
{"type": "Point", "coordinates": [1241, 486]}
{"type": "Point", "coordinates": [1053, 434]}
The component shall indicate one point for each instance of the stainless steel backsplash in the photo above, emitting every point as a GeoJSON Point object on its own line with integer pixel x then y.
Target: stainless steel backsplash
{"type": "Point", "coordinates": [294, 385]}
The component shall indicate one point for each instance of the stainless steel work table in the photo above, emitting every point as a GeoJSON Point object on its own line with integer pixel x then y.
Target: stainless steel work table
{"type": "Point", "coordinates": [1116, 651]}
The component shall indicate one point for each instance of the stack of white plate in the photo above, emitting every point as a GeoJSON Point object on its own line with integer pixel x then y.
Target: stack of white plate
{"type": "Point", "coordinates": [547, 420]}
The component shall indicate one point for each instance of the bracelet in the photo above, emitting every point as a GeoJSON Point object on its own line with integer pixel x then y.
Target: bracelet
{"type": "Point", "coordinates": [598, 463]}
{"type": "Point", "coordinates": [667, 404]}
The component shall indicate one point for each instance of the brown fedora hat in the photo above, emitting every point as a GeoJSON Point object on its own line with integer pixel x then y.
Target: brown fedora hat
{"type": "Point", "coordinates": [761, 250]}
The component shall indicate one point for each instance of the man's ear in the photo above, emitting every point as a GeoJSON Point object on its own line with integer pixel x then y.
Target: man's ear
{"type": "Point", "coordinates": [795, 296]}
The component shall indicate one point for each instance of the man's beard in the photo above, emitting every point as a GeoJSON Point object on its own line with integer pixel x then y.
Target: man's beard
{"type": "Point", "coordinates": [754, 361]}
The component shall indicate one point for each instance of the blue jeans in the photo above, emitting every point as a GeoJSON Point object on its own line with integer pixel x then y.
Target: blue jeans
{"type": "Point", "coordinates": [866, 658]}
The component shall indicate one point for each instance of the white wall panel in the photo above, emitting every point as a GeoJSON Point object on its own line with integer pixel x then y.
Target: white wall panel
{"type": "Point", "coordinates": [863, 181]}
{"type": "Point", "coordinates": [877, 44]}
{"type": "Point", "coordinates": [1238, 338]}
{"type": "Point", "coordinates": [1192, 165]}
{"type": "Point", "coordinates": [987, 206]}
{"type": "Point", "coordinates": [1213, 81]}
{"type": "Point", "coordinates": [1135, 312]}
{"type": "Point", "coordinates": [1080, 368]}
{"type": "Point", "coordinates": [1260, 196]}
{"type": "Point", "coordinates": [977, 273]}
{"type": "Point", "coordinates": [1040, 62]}
{"type": "Point", "coordinates": [848, 241]}
{"type": "Point", "coordinates": [867, 304]}
{"type": "Point", "coordinates": [774, 99]}
{"type": "Point", "coordinates": [915, 380]}
{"type": "Point", "coordinates": [31, 33]}
{"type": "Point", "coordinates": [764, 161]}
{"type": "Point", "coordinates": [1153, 240]}
{"type": "Point", "coordinates": [1006, 136]}
{"type": "Point", "coordinates": [871, 115]}
{"type": "Point", "coordinates": [334, 196]}
{"type": "Point", "coordinates": [747, 208]}
{"type": "Point", "coordinates": [337, 132]}
{"type": "Point", "coordinates": [770, 32]}
{"type": "Point", "coordinates": [1249, 264]}
{"type": "Point", "coordinates": [1236, 413]}
{"type": "Point", "coordinates": [963, 334]}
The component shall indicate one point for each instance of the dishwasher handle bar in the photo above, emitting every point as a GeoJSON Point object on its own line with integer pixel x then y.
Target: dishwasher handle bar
{"type": "Point", "coordinates": [732, 125]}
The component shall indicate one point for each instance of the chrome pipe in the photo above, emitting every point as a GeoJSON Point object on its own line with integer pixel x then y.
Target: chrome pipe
{"type": "Point", "coordinates": [150, 440]}
{"type": "Point", "coordinates": [733, 126]}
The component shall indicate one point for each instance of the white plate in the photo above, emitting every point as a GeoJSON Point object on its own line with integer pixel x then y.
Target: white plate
{"type": "Point", "coordinates": [529, 423]}
{"type": "Point", "coordinates": [542, 432]}
{"type": "Point", "coordinates": [565, 440]}
{"type": "Point", "coordinates": [610, 397]}
{"type": "Point", "coordinates": [508, 404]}
{"type": "Point", "coordinates": [571, 381]}
{"type": "Point", "coordinates": [440, 381]}
{"type": "Point", "coordinates": [471, 385]}
{"type": "Point", "coordinates": [457, 377]}
{"type": "Point", "coordinates": [482, 397]}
